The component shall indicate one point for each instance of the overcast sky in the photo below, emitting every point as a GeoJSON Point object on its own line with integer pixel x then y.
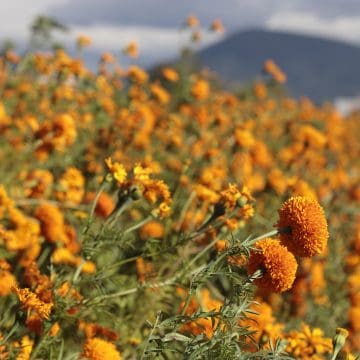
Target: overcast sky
{"type": "Point", "coordinates": [154, 24]}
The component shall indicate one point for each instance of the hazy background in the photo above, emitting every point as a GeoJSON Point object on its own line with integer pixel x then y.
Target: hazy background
{"type": "Point", "coordinates": [155, 24]}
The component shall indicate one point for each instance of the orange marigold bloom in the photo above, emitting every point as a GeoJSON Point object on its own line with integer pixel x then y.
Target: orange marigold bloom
{"type": "Point", "coordinates": [233, 196]}
{"type": "Point", "coordinates": [192, 21]}
{"type": "Point", "coordinates": [104, 206]}
{"type": "Point", "coordinates": [152, 229]}
{"type": "Point", "coordinates": [117, 170]}
{"type": "Point", "coordinates": [52, 223]}
{"type": "Point", "coordinates": [137, 74]}
{"type": "Point", "coordinates": [64, 132]}
{"type": "Point", "coordinates": [7, 279]}
{"type": "Point", "coordinates": [132, 50]}
{"type": "Point", "coordinates": [40, 283]}
{"type": "Point", "coordinates": [107, 57]}
{"type": "Point", "coordinates": [271, 68]}
{"type": "Point", "coordinates": [71, 186]}
{"type": "Point", "coordinates": [98, 349]}
{"type": "Point", "coordinates": [65, 290]}
{"type": "Point", "coordinates": [26, 346]}
{"type": "Point", "coordinates": [308, 344]}
{"type": "Point", "coordinates": [83, 41]}
{"type": "Point", "coordinates": [160, 93]}
{"type": "Point", "coordinates": [260, 319]}
{"type": "Point", "coordinates": [202, 325]}
{"type": "Point", "coordinates": [354, 318]}
{"type": "Point", "coordinates": [30, 301]}
{"type": "Point", "coordinates": [200, 90]}
{"type": "Point", "coordinates": [277, 264]}
{"type": "Point", "coordinates": [92, 330]}
{"type": "Point", "coordinates": [34, 323]}
{"type": "Point", "coordinates": [170, 74]}
{"type": "Point", "coordinates": [217, 26]}
{"type": "Point", "coordinates": [302, 226]}
{"type": "Point", "coordinates": [38, 182]}
{"type": "Point", "coordinates": [54, 330]}
{"type": "Point", "coordinates": [143, 269]}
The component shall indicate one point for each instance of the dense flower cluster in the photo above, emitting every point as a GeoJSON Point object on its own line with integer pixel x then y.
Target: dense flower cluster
{"type": "Point", "coordinates": [277, 264]}
{"type": "Point", "coordinates": [128, 185]}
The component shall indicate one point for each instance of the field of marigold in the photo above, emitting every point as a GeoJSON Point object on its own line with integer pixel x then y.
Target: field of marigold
{"type": "Point", "coordinates": [164, 217]}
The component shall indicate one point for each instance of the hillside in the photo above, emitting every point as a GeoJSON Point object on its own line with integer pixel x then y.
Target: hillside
{"type": "Point", "coordinates": [319, 68]}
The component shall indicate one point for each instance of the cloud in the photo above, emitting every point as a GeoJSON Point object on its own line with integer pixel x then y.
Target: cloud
{"type": "Point", "coordinates": [17, 15]}
{"type": "Point", "coordinates": [345, 28]}
{"type": "Point", "coordinates": [236, 14]}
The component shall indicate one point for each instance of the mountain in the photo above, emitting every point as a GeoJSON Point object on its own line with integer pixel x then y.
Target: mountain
{"type": "Point", "coordinates": [319, 68]}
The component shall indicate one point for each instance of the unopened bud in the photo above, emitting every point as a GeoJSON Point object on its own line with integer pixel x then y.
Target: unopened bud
{"type": "Point", "coordinates": [339, 340]}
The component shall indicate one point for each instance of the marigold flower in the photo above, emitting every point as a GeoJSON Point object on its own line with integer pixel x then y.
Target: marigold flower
{"type": "Point", "coordinates": [38, 182]}
{"type": "Point", "coordinates": [308, 344]}
{"type": "Point", "coordinates": [144, 269]}
{"type": "Point", "coordinates": [277, 264]}
{"type": "Point", "coordinates": [107, 57]}
{"type": "Point", "coordinates": [217, 26]}
{"type": "Point", "coordinates": [92, 330]}
{"type": "Point", "coordinates": [98, 349]}
{"type": "Point", "coordinates": [34, 323]}
{"type": "Point", "coordinates": [276, 73]}
{"type": "Point", "coordinates": [233, 196]}
{"type": "Point", "coordinates": [152, 229]}
{"type": "Point", "coordinates": [104, 206]}
{"type": "Point", "coordinates": [30, 301]}
{"type": "Point", "coordinates": [261, 320]}
{"type": "Point", "coordinates": [200, 90]}
{"type": "Point", "coordinates": [64, 132]}
{"type": "Point", "coordinates": [54, 330]}
{"type": "Point", "coordinates": [7, 279]}
{"type": "Point", "coordinates": [117, 170]}
{"type": "Point", "coordinates": [302, 226]}
{"type": "Point", "coordinates": [192, 21]}
{"type": "Point", "coordinates": [71, 186]}
{"type": "Point", "coordinates": [65, 290]}
{"type": "Point", "coordinates": [52, 223]}
{"type": "Point", "coordinates": [202, 325]}
{"type": "Point", "coordinates": [137, 74]}
{"type": "Point", "coordinates": [170, 74]}
{"type": "Point", "coordinates": [160, 93]}
{"type": "Point", "coordinates": [83, 41]}
{"type": "Point", "coordinates": [25, 346]}
{"type": "Point", "coordinates": [132, 50]}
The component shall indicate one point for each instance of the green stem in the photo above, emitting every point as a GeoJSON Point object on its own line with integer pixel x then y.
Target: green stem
{"type": "Point", "coordinates": [138, 225]}
{"type": "Point", "coordinates": [150, 335]}
{"type": "Point", "coordinates": [185, 209]}
{"type": "Point", "coordinates": [93, 207]}
{"type": "Point", "coordinates": [263, 236]}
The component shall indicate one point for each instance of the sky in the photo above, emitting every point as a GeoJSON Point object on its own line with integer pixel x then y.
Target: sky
{"type": "Point", "coordinates": [155, 24]}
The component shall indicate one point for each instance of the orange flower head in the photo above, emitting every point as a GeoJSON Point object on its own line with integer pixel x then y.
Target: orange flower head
{"type": "Point", "coordinates": [152, 229]}
{"type": "Point", "coordinates": [217, 26]}
{"type": "Point", "coordinates": [30, 301]}
{"type": "Point", "coordinates": [170, 74]}
{"type": "Point", "coordinates": [98, 349]}
{"type": "Point", "coordinates": [83, 41]}
{"type": "Point", "coordinates": [192, 21]}
{"type": "Point", "coordinates": [132, 50]}
{"type": "Point", "coordinates": [302, 226]}
{"type": "Point", "coordinates": [277, 263]}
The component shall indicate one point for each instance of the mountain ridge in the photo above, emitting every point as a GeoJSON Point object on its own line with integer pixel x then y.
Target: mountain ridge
{"type": "Point", "coordinates": [320, 68]}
